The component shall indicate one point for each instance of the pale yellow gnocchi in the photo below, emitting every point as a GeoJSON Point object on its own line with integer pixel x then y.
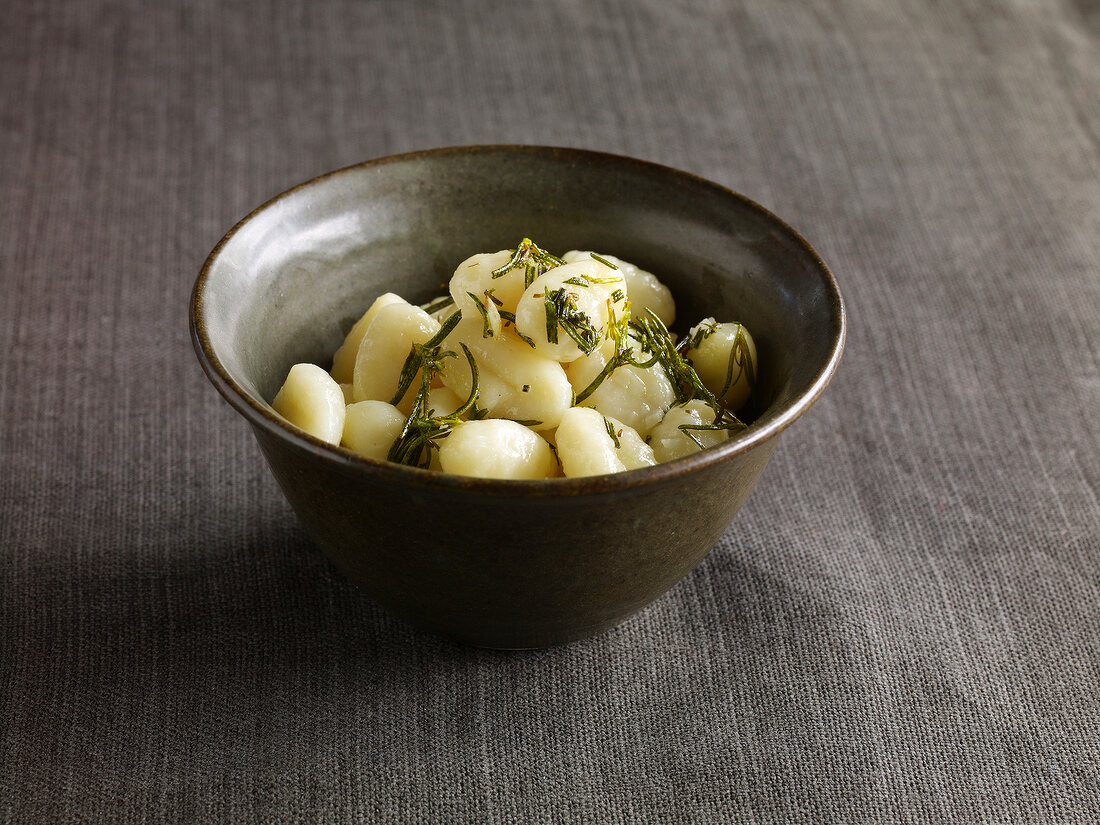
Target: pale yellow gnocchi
{"type": "Point", "coordinates": [532, 366]}
{"type": "Point", "coordinates": [496, 448]}
{"type": "Point", "coordinates": [591, 444]}
{"type": "Point", "coordinates": [636, 395]}
{"type": "Point", "coordinates": [312, 400]}
{"type": "Point", "coordinates": [724, 356]}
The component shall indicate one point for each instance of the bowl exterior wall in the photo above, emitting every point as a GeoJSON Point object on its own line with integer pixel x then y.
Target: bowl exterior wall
{"type": "Point", "coordinates": [512, 571]}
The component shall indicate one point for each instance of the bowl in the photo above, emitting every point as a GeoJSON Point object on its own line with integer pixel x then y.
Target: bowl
{"type": "Point", "coordinates": [509, 564]}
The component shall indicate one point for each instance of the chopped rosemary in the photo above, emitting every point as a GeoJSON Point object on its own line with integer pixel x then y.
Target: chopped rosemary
{"type": "Point", "coordinates": [422, 428]}
{"type": "Point", "coordinates": [532, 258]}
{"type": "Point", "coordinates": [562, 311]}
{"type": "Point", "coordinates": [740, 354]}
{"type": "Point", "coordinates": [428, 356]}
{"type": "Point", "coordinates": [611, 432]}
{"type": "Point", "coordinates": [486, 323]}
{"type": "Point", "coordinates": [602, 260]}
{"type": "Point", "coordinates": [655, 338]}
{"type": "Point", "coordinates": [437, 304]}
{"type": "Point", "coordinates": [526, 422]}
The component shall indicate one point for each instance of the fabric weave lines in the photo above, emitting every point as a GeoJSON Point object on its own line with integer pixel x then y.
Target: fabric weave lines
{"type": "Point", "coordinates": [903, 624]}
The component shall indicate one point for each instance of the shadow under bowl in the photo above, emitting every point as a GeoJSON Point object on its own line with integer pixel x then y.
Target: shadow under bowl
{"type": "Point", "coordinates": [509, 564]}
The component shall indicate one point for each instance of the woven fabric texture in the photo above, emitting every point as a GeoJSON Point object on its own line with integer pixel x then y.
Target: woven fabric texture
{"type": "Point", "coordinates": [902, 625]}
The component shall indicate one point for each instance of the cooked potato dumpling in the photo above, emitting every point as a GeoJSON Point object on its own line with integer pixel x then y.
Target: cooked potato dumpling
{"type": "Point", "coordinates": [311, 400]}
{"type": "Point", "coordinates": [496, 448]}
{"type": "Point", "coordinates": [370, 428]}
{"type": "Point", "coordinates": [586, 446]}
{"type": "Point", "coordinates": [384, 348]}
{"type": "Point", "coordinates": [669, 441]}
{"type": "Point", "coordinates": [475, 275]}
{"type": "Point", "coordinates": [514, 380]}
{"type": "Point", "coordinates": [343, 362]}
{"type": "Point", "coordinates": [588, 289]}
{"type": "Point", "coordinates": [637, 396]}
{"type": "Point", "coordinates": [645, 291]}
{"type": "Point", "coordinates": [725, 360]}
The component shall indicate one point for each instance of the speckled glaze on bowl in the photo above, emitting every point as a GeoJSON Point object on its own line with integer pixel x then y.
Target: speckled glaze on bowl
{"type": "Point", "coordinates": [509, 564]}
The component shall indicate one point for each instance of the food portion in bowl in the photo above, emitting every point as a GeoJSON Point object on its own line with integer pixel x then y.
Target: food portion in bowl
{"type": "Point", "coordinates": [533, 366]}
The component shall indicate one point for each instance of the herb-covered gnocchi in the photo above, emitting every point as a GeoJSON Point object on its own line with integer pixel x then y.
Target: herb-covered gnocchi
{"type": "Point", "coordinates": [532, 366]}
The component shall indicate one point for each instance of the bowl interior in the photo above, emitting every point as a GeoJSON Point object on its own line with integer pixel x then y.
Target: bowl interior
{"type": "Point", "coordinates": [289, 281]}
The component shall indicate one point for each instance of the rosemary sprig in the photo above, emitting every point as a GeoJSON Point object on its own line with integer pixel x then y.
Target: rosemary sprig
{"type": "Point", "coordinates": [486, 321]}
{"type": "Point", "coordinates": [532, 258]}
{"type": "Point", "coordinates": [739, 354]}
{"type": "Point", "coordinates": [428, 356]}
{"type": "Point", "coordinates": [611, 432]}
{"type": "Point", "coordinates": [602, 260]}
{"type": "Point", "coordinates": [562, 312]}
{"type": "Point", "coordinates": [526, 422]}
{"type": "Point", "coordinates": [617, 331]}
{"type": "Point", "coordinates": [437, 304]}
{"type": "Point", "coordinates": [422, 428]}
{"type": "Point", "coordinates": [655, 338]}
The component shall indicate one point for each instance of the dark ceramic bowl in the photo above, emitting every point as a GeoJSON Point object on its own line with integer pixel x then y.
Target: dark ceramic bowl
{"type": "Point", "coordinates": [509, 564]}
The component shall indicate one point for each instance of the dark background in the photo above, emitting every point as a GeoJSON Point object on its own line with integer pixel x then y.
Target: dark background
{"type": "Point", "coordinates": [901, 626]}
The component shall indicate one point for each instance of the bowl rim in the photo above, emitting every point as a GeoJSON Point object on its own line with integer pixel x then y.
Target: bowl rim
{"type": "Point", "coordinates": [263, 416]}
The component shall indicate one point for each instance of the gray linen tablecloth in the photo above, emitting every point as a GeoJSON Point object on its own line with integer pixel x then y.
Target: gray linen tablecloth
{"type": "Point", "coordinates": [901, 626]}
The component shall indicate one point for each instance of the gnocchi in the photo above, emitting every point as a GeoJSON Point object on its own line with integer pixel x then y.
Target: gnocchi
{"type": "Point", "coordinates": [532, 366]}
{"type": "Point", "coordinates": [496, 448]}
{"type": "Point", "coordinates": [312, 400]}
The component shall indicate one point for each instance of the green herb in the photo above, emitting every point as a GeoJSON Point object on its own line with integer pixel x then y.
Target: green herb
{"type": "Point", "coordinates": [611, 432]}
{"type": "Point", "coordinates": [655, 338]}
{"type": "Point", "coordinates": [526, 422]}
{"type": "Point", "coordinates": [437, 304]}
{"type": "Point", "coordinates": [532, 258]}
{"type": "Point", "coordinates": [686, 429]}
{"type": "Point", "coordinates": [427, 356]}
{"type": "Point", "coordinates": [486, 324]}
{"type": "Point", "coordinates": [562, 311]}
{"type": "Point", "coordinates": [422, 428]}
{"type": "Point", "coordinates": [739, 354]}
{"type": "Point", "coordinates": [602, 260]}
{"type": "Point", "coordinates": [617, 331]}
